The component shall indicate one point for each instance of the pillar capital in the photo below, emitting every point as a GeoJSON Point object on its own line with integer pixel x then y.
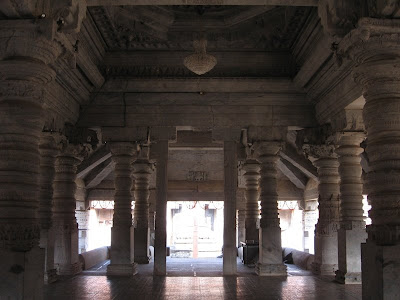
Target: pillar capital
{"type": "Point", "coordinates": [118, 149]}
{"type": "Point", "coordinates": [265, 149]}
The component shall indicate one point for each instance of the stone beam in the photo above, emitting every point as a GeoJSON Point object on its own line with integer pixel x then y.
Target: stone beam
{"type": "Point", "coordinates": [202, 2]}
{"type": "Point", "coordinates": [201, 85]}
{"type": "Point", "coordinates": [294, 174]}
{"type": "Point", "coordinates": [99, 173]}
{"type": "Point", "coordinates": [192, 109]}
{"type": "Point", "coordinates": [304, 165]}
{"type": "Point", "coordinates": [180, 195]}
{"type": "Point", "coordinates": [93, 161]}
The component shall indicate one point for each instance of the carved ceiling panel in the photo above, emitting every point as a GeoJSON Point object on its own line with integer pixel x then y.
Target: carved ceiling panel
{"type": "Point", "coordinates": [174, 28]}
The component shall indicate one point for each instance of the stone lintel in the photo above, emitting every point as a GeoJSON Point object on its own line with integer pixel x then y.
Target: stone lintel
{"type": "Point", "coordinates": [121, 134]}
{"type": "Point", "coordinates": [226, 134]}
{"type": "Point", "coordinates": [266, 133]}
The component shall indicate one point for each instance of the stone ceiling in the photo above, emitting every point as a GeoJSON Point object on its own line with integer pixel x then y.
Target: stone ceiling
{"type": "Point", "coordinates": [174, 27]}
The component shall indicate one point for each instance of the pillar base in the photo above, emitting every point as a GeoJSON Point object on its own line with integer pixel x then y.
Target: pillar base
{"type": "Point", "coordinates": [271, 270]}
{"type": "Point", "coordinates": [122, 269]}
{"type": "Point", "coordinates": [69, 269]}
{"type": "Point", "coordinates": [50, 276]}
{"type": "Point", "coordinates": [22, 274]}
{"type": "Point", "coordinates": [381, 276]}
{"type": "Point", "coordinates": [347, 278]}
{"type": "Point", "coordinates": [323, 269]}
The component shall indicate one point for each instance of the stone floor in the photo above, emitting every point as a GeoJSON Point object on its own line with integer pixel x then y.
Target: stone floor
{"type": "Point", "coordinates": [200, 279]}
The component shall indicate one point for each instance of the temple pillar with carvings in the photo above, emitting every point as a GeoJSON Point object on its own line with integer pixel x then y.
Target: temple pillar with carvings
{"type": "Point", "coordinates": [326, 239]}
{"type": "Point", "coordinates": [48, 152]}
{"type": "Point", "coordinates": [252, 177]}
{"type": "Point", "coordinates": [142, 169]}
{"type": "Point", "coordinates": [241, 217]}
{"type": "Point", "coordinates": [270, 245]}
{"type": "Point", "coordinates": [26, 50]}
{"type": "Point", "coordinates": [374, 46]}
{"type": "Point", "coordinates": [122, 232]}
{"type": "Point", "coordinates": [65, 227]}
{"type": "Point", "coordinates": [351, 231]}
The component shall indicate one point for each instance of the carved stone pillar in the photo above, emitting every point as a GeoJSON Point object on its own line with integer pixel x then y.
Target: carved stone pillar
{"type": "Point", "coordinates": [160, 242]}
{"type": "Point", "coordinates": [270, 248]}
{"type": "Point", "coordinates": [25, 54]}
{"type": "Point", "coordinates": [252, 177]}
{"type": "Point", "coordinates": [142, 171]}
{"type": "Point", "coordinates": [64, 221]}
{"type": "Point", "coordinates": [121, 260]}
{"type": "Point", "coordinates": [241, 226]}
{"type": "Point", "coordinates": [48, 152]}
{"type": "Point", "coordinates": [352, 226]}
{"type": "Point", "coordinates": [375, 47]}
{"type": "Point", "coordinates": [325, 241]}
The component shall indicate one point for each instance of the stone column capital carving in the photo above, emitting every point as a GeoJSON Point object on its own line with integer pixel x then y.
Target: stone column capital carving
{"type": "Point", "coordinates": [316, 152]}
{"type": "Point", "coordinates": [123, 149]}
{"type": "Point", "coordinates": [263, 149]}
{"type": "Point", "coordinates": [348, 120]}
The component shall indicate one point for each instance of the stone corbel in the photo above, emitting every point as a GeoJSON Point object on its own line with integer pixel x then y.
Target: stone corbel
{"type": "Point", "coordinates": [339, 17]}
{"type": "Point", "coordinates": [348, 120]}
{"type": "Point", "coordinates": [69, 14]}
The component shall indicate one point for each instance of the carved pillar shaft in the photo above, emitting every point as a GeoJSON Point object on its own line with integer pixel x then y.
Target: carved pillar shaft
{"type": "Point", "coordinates": [375, 48]}
{"type": "Point", "coordinates": [270, 249]}
{"type": "Point", "coordinates": [25, 53]}
{"type": "Point", "coordinates": [230, 186]}
{"type": "Point", "coordinates": [142, 172]}
{"type": "Point", "coordinates": [325, 241]}
{"type": "Point", "coordinates": [160, 242]}
{"type": "Point", "coordinates": [352, 226]}
{"type": "Point", "coordinates": [252, 177]}
{"type": "Point", "coordinates": [48, 152]}
{"type": "Point", "coordinates": [64, 221]}
{"type": "Point", "coordinates": [121, 262]}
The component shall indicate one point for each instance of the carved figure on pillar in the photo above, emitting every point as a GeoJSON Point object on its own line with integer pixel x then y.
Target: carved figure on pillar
{"type": "Point", "coordinates": [64, 221]}
{"type": "Point", "coordinates": [270, 245]}
{"type": "Point", "coordinates": [374, 46]}
{"type": "Point", "coordinates": [142, 169]}
{"type": "Point", "coordinates": [122, 258]}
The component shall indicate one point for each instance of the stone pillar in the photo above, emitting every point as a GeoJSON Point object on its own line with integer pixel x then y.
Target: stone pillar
{"type": "Point", "coordinates": [25, 54]}
{"type": "Point", "coordinates": [152, 219]}
{"type": "Point", "coordinates": [375, 47]}
{"type": "Point", "coordinates": [160, 242]}
{"type": "Point", "coordinates": [64, 222]}
{"type": "Point", "coordinates": [351, 220]}
{"type": "Point", "coordinates": [230, 186]}
{"type": "Point", "coordinates": [252, 177]}
{"type": "Point", "coordinates": [142, 171]}
{"type": "Point", "coordinates": [121, 260]}
{"type": "Point", "coordinates": [325, 239]}
{"type": "Point", "coordinates": [48, 153]}
{"type": "Point", "coordinates": [241, 226]}
{"type": "Point", "coordinates": [270, 248]}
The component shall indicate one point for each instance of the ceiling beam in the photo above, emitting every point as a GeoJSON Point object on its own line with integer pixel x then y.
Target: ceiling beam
{"type": "Point", "coordinates": [204, 85]}
{"type": "Point", "coordinates": [93, 161]}
{"type": "Point", "coordinates": [99, 173]}
{"type": "Point", "coordinates": [202, 2]}
{"type": "Point", "coordinates": [304, 165]}
{"type": "Point", "coordinates": [294, 174]}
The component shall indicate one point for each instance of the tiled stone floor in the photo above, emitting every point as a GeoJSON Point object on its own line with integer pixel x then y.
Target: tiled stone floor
{"type": "Point", "coordinates": [297, 285]}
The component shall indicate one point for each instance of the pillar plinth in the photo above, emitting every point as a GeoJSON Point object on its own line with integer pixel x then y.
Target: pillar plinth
{"type": "Point", "coordinates": [326, 237]}
{"type": "Point", "coordinates": [121, 258]}
{"type": "Point", "coordinates": [48, 152]}
{"type": "Point", "coordinates": [24, 74]}
{"type": "Point", "coordinates": [375, 47]}
{"type": "Point", "coordinates": [252, 177]}
{"type": "Point", "coordinates": [351, 232]}
{"type": "Point", "coordinates": [160, 242]}
{"type": "Point", "coordinates": [65, 227]}
{"type": "Point", "coordinates": [270, 244]}
{"type": "Point", "coordinates": [142, 172]}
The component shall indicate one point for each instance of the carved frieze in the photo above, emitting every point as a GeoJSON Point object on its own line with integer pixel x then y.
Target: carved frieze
{"type": "Point", "coordinates": [19, 237]}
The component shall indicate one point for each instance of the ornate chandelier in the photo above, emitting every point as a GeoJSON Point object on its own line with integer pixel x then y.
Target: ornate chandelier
{"type": "Point", "coordinates": [200, 62]}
